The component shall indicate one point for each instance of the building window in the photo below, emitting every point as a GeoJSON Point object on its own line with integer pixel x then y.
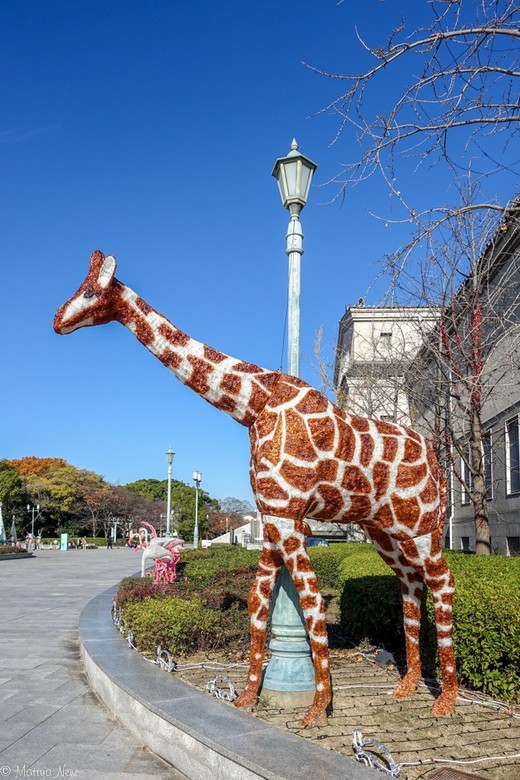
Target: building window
{"type": "Point", "coordinates": [512, 457]}
{"type": "Point", "coordinates": [513, 545]}
{"type": "Point", "coordinates": [385, 340]}
{"type": "Point", "coordinates": [488, 464]}
{"type": "Point", "coordinates": [466, 481]}
{"type": "Point", "coordinates": [464, 543]}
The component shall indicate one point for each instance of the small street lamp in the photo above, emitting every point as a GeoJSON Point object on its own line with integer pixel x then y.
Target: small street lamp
{"type": "Point", "coordinates": [33, 509]}
{"type": "Point", "coordinates": [169, 459]}
{"type": "Point", "coordinates": [197, 478]}
{"type": "Point", "coordinates": [294, 175]}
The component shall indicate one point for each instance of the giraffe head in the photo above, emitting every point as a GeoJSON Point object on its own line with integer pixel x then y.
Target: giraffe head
{"type": "Point", "coordinates": [93, 303]}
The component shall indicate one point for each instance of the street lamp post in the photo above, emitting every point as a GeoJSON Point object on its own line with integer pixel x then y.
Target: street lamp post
{"type": "Point", "coordinates": [33, 509]}
{"type": "Point", "coordinates": [294, 175]}
{"type": "Point", "coordinates": [197, 478]}
{"type": "Point", "coordinates": [3, 537]}
{"type": "Point", "coordinates": [289, 677]}
{"type": "Point", "coordinates": [169, 459]}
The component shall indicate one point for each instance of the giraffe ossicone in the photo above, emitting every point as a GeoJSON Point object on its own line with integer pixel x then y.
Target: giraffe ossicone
{"type": "Point", "coordinates": [309, 459]}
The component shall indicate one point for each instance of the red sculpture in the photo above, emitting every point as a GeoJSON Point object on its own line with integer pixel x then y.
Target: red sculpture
{"type": "Point", "coordinates": [308, 459]}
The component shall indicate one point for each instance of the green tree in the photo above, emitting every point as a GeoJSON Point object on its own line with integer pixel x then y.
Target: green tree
{"type": "Point", "coordinates": [12, 491]}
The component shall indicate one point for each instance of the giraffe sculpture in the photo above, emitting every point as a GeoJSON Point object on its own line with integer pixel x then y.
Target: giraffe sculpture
{"type": "Point", "coordinates": [309, 459]}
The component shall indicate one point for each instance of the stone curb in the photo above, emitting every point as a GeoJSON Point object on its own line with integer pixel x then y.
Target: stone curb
{"type": "Point", "coordinates": [198, 735]}
{"type": "Point", "coordinates": [14, 556]}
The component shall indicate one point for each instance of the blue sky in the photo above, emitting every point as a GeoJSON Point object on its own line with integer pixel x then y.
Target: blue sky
{"type": "Point", "coordinates": [149, 130]}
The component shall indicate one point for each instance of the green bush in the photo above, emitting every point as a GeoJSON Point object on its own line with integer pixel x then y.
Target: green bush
{"type": "Point", "coordinates": [327, 561]}
{"type": "Point", "coordinates": [181, 626]}
{"type": "Point", "coordinates": [486, 617]}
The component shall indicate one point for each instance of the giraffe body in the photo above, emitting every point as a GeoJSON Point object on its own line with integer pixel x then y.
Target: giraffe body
{"type": "Point", "coordinates": [309, 459]}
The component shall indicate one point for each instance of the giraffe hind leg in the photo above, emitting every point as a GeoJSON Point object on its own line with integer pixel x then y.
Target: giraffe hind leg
{"type": "Point", "coordinates": [259, 599]}
{"type": "Point", "coordinates": [425, 554]}
{"type": "Point", "coordinates": [411, 590]}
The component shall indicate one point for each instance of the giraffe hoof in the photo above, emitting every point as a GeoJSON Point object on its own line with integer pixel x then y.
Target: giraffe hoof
{"type": "Point", "coordinates": [406, 688]}
{"type": "Point", "coordinates": [246, 699]}
{"type": "Point", "coordinates": [444, 704]}
{"type": "Point", "coordinates": [314, 717]}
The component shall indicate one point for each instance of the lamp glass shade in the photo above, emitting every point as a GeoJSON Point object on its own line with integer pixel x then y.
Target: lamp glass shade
{"type": "Point", "coordinates": [169, 456]}
{"type": "Point", "coordinates": [294, 175]}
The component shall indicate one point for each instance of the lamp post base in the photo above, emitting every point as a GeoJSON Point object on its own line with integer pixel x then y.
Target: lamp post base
{"type": "Point", "coordinates": [289, 676]}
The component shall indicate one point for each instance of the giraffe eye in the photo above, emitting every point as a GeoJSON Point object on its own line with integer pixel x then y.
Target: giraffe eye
{"type": "Point", "coordinates": [88, 294]}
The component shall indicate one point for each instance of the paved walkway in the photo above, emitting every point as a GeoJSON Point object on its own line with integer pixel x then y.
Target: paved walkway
{"type": "Point", "coordinates": [51, 724]}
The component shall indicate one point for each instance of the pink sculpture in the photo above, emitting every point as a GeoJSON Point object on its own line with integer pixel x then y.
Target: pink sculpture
{"type": "Point", "coordinates": [162, 550]}
{"type": "Point", "coordinates": [308, 459]}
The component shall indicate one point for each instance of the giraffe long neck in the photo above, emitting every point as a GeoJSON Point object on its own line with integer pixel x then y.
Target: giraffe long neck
{"type": "Point", "coordinates": [238, 388]}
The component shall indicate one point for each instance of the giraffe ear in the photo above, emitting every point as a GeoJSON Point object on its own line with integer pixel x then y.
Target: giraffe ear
{"type": "Point", "coordinates": [102, 268]}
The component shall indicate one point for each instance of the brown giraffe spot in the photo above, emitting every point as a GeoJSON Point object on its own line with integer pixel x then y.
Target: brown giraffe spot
{"type": "Point", "coordinates": [171, 359]}
{"type": "Point", "coordinates": [320, 628]}
{"type": "Point", "coordinates": [437, 544]}
{"type": "Point", "coordinates": [382, 539]}
{"type": "Point", "coordinates": [297, 442]}
{"type": "Point", "coordinates": [289, 565]}
{"type": "Point", "coordinates": [346, 441]}
{"type": "Point", "coordinates": [385, 427]}
{"type": "Point", "coordinates": [413, 434]}
{"type": "Point", "coordinates": [303, 563]}
{"type": "Point", "coordinates": [367, 449]}
{"type": "Point", "coordinates": [429, 521]}
{"type": "Point", "coordinates": [312, 507]}
{"type": "Point", "coordinates": [265, 588]}
{"type": "Point", "coordinates": [245, 368]}
{"type": "Point", "coordinates": [226, 403]}
{"type": "Point", "coordinates": [381, 477]}
{"type": "Point", "coordinates": [268, 380]}
{"type": "Point", "coordinates": [410, 549]}
{"type": "Point", "coordinates": [312, 403]}
{"type": "Point", "coordinates": [296, 507]}
{"type": "Point", "coordinates": [258, 398]}
{"type": "Point", "coordinates": [272, 533]}
{"type": "Point", "coordinates": [297, 476]}
{"type": "Point", "coordinates": [299, 583]}
{"type": "Point", "coordinates": [144, 332]}
{"type": "Point", "coordinates": [389, 448]}
{"type": "Point", "coordinates": [254, 602]}
{"type": "Point", "coordinates": [407, 476]}
{"type": "Point", "coordinates": [406, 510]}
{"type": "Point", "coordinates": [231, 383]}
{"type": "Point", "coordinates": [333, 500]}
{"type": "Point", "coordinates": [143, 306]}
{"type": "Point", "coordinates": [359, 424]}
{"type": "Point", "coordinates": [272, 448]}
{"type": "Point", "coordinates": [262, 613]}
{"type": "Point", "coordinates": [360, 508]}
{"type": "Point", "coordinates": [323, 432]}
{"type": "Point", "coordinates": [199, 378]}
{"type": "Point", "coordinates": [429, 493]}
{"type": "Point", "coordinates": [283, 394]}
{"type": "Point", "coordinates": [412, 451]}
{"type": "Point", "coordinates": [308, 602]}
{"type": "Point", "coordinates": [327, 471]}
{"type": "Point", "coordinates": [266, 423]}
{"type": "Point", "coordinates": [384, 517]}
{"type": "Point", "coordinates": [291, 545]}
{"type": "Point", "coordinates": [355, 481]}
{"type": "Point", "coordinates": [418, 593]}
{"type": "Point", "coordinates": [173, 336]}
{"type": "Point", "coordinates": [214, 355]}
{"type": "Point", "coordinates": [270, 489]}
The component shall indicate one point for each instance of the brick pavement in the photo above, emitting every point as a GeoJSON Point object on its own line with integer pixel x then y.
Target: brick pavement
{"type": "Point", "coordinates": [362, 700]}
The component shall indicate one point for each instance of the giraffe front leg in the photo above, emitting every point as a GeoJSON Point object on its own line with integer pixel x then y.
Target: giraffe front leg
{"type": "Point", "coordinates": [313, 607]}
{"type": "Point", "coordinates": [411, 592]}
{"type": "Point", "coordinates": [258, 602]}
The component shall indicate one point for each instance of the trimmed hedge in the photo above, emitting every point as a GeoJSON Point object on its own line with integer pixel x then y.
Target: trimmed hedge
{"type": "Point", "coordinates": [207, 608]}
{"type": "Point", "coordinates": [486, 617]}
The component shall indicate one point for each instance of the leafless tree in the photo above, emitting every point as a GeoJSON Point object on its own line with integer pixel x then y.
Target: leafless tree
{"type": "Point", "coordinates": [442, 100]}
